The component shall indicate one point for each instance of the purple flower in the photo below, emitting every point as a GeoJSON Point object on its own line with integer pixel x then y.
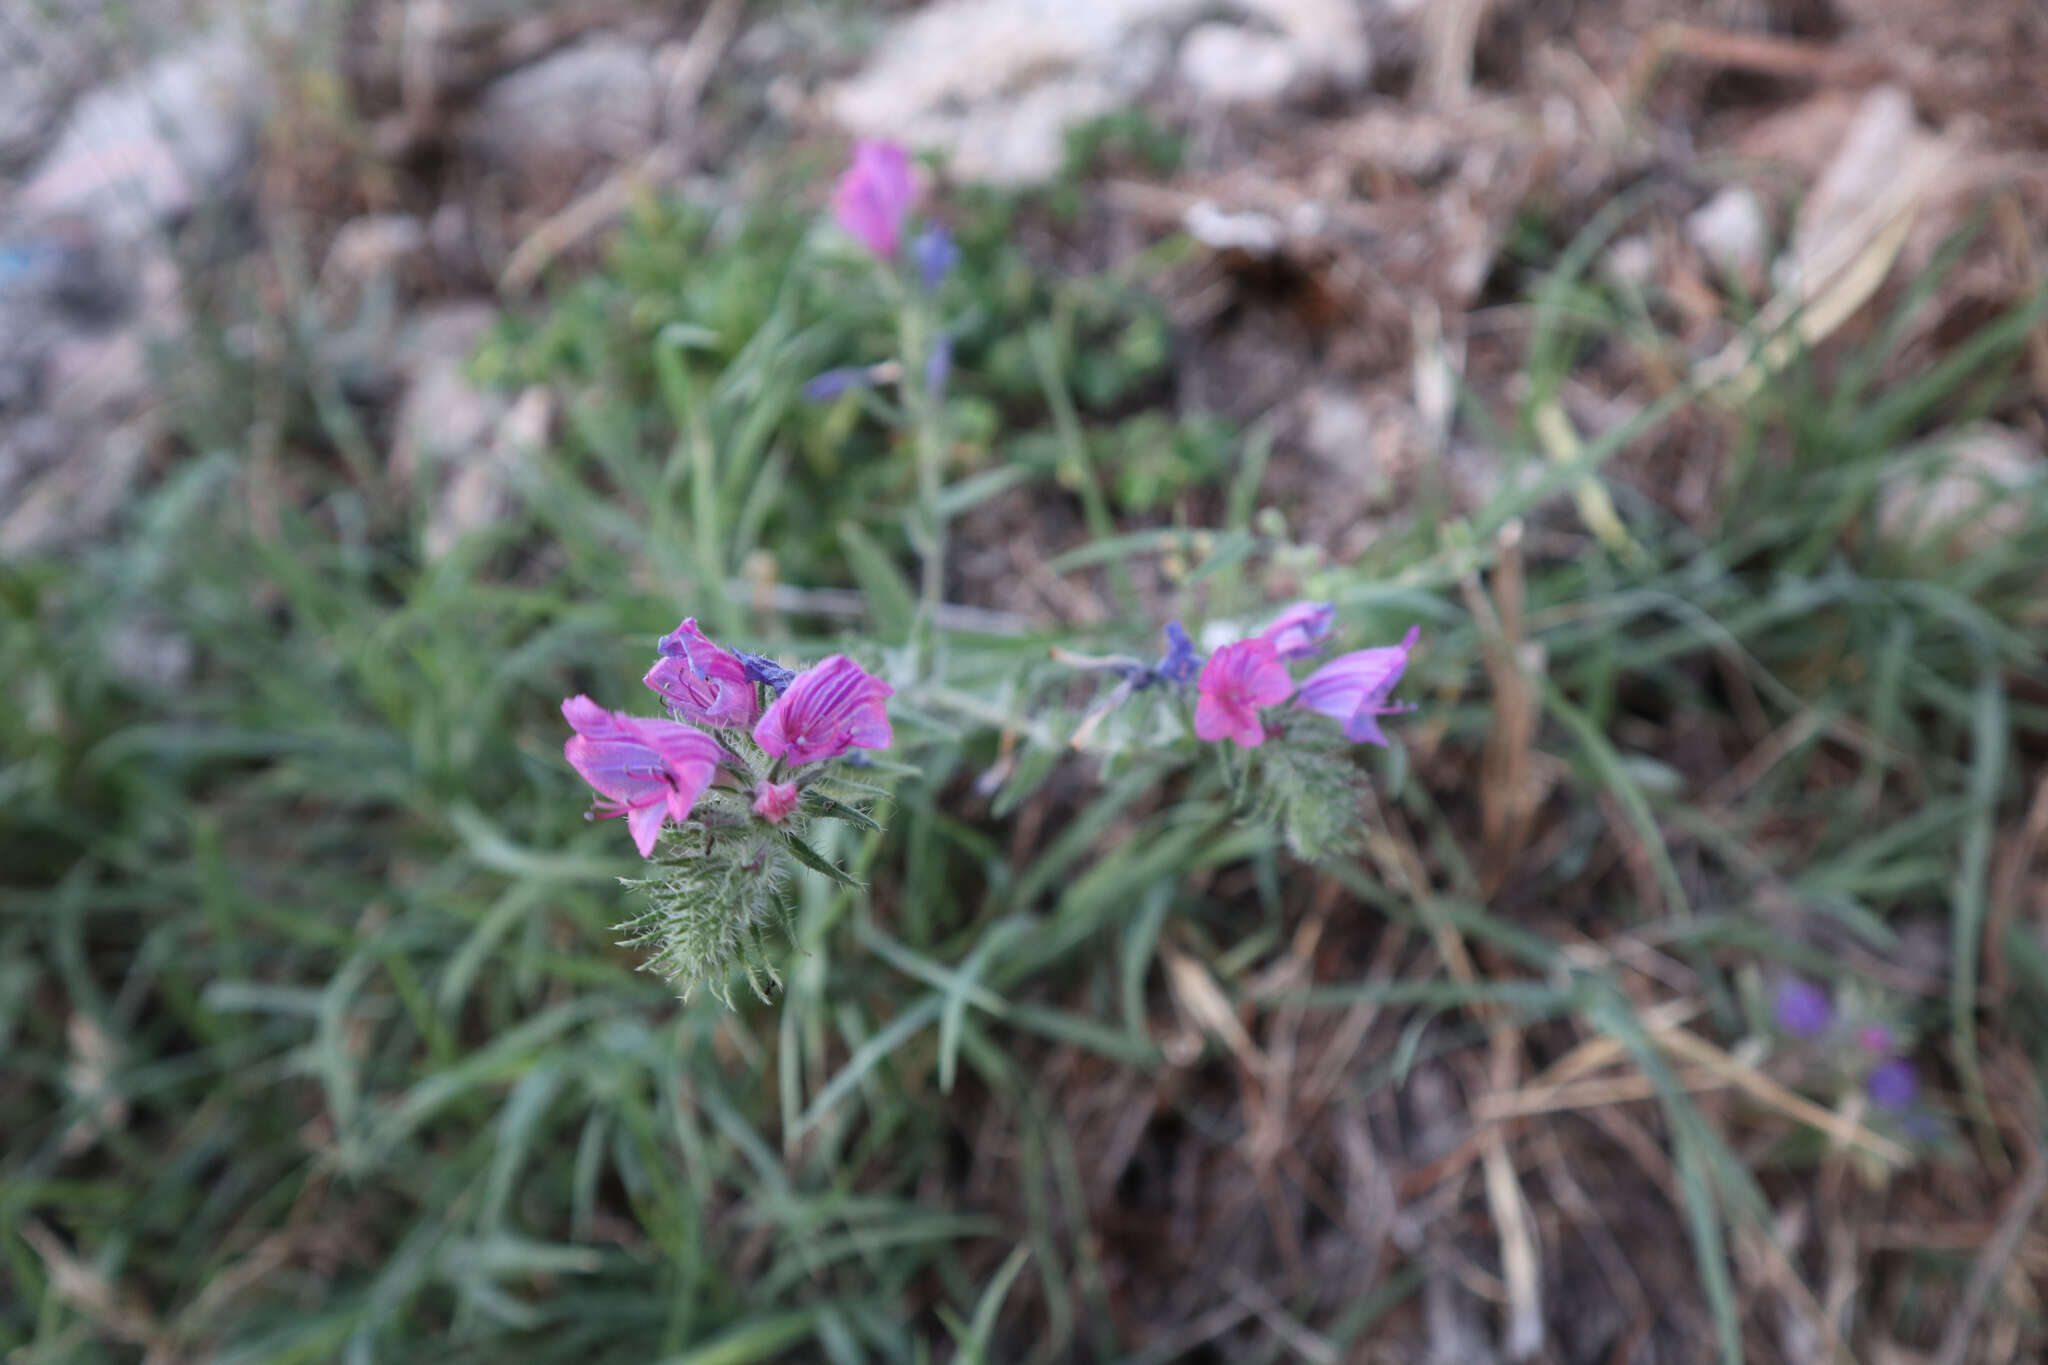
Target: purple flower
{"type": "Point", "coordinates": [823, 388]}
{"type": "Point", "coordinates": [873, 196]}
{"type": "Point", "coordinates": [1300, 630]}
{"type": "Point", "coordinates": [702, 683]}
{"type": "Point", "coordinates": [773, 801]}
{"type": "Point", "coordinates": [1237, 681]}
{"type": "Point", "coordinates": [829, 709]}
{"type": "Point", "coordinates": [935, 255]}
{"type": "Point", "coordinates": [646, 770]}
{"type": "Point", "coordinates": [1180, 662]}
{"type": "Point", "coordinates": [767, 672]}
{"type": "Point", "coordinates": [1892, 1085]}
{"type": "Point", "coordinates": [1352, 688]}
{"type": "Point", "coordinates": [1802, 1008]}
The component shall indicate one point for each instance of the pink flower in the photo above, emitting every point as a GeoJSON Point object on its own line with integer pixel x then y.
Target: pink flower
{"type": "Point", "coordinates": [1235, 683]}
{"type": "Point", "coordinates": [1300, 630]}
{"type": "Point", "coordinates": [646, 770]}
{"type": "Point", "coordinates": [874, 195]}
{"type": "Point", "coordinates": [829, 709]}
{"type": "Point", "coordinates": [702, 683]}
{"type": "Point", "coordinates": [1875, 1039]}
{"type": "Point", "coordinates": [773, 801]}
{"type": "Point", "coordinates": [1352, 689]}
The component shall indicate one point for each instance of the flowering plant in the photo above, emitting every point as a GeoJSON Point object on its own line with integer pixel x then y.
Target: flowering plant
{"type": "Point", "coordinates": [1280, 764]}
{"type": "Point", "coordinates": [719, 797]}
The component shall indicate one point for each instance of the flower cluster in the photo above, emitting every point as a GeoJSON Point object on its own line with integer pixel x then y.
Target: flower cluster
{"type": "Point", "coordinates": [725, 776]}
{"type": "Point", "coordinates": [1245, 693]}
{"type": "Point", "coordinates": [1857, 1043]}
{"type": "Point", "coordinates": [1242, 680]}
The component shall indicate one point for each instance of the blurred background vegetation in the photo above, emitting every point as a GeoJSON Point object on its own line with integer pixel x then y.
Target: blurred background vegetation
{"type": "Point", "coordinates": [320, 1043]}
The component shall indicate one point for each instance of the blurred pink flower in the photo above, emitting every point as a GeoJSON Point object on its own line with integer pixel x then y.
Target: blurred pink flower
{"type": "Point", "coordinates": [773, 801]}
{"type": "Point", "coordinates": [1300, 630]}
{"type": "Point", "coordinates": [874, 196]}
{"type": "Point", "coordinates": [1352, 689]}
{"type": "Point", "coordinates": [1235, 683]}
{"type": "Point", "coordinates": [830, 708]}
{"type": "Point", "coordinates": [646, 770]}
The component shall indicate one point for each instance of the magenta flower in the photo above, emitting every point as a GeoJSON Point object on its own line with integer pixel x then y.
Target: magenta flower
{"type": "Point", "coordinates": [1352, 689]}
{"type": "Point", "coordinates": [1235, 683]}
{"type": "Point", "coordinates": [829, 709]}
{"type": "Point", "coordinates": [773, 801]}
{"type": "Point", "coordinates": [646, 770]}
{"type": "Point", "coordinates": [1875, 1039]}
{"type": "Point", "coordinates": [702, 683]}
{"type": "Point", "coordinates": [874, 195]}
{"type": "Point", "coordinates": [1300, 630]}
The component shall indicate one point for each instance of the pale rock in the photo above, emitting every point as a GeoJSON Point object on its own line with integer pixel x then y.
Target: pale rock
{"type": "Point", "coordinates": [597, 100]}
{"type": "Point", "coordinates": [1338, 429]}
{"type": "Point", "coordinates": [1221, 230]}
{"type": "Point", "coordinates": [1973, 500]}
{"type": "Point", "coordinates": [1730, 230]}
{"type": "Point", "coordinates": [468, 442]}
{"type": "Point", "coordinates": [370, 246]}
{"type": "Point", "coordinates": [148, 150]}
{"type": "Point", "coordinates": [1229, 64]}
{"type": "Point", "coordinates": [1631, 262]}
{"type": "Point", "coordinates": [148, 653]}
{"type": "Point", "coordinates": [995, 84]}
{"type": "Point", "coordinates": [443, 417]}
{"type": "Point", "coordinates": [483, 490]}
{"type": "Point", "coordinates": [1328, 36]}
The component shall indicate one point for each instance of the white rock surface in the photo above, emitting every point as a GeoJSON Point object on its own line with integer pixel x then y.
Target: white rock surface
{"type": "Point", "coordinates": [147, 150]}
{"type": "Point", "coordinates": [995, 84]}
{"type": "Point", "coordinates": [1730, 230]}
{"type": "Point", "coordinates": [1230, 64]}
{"type": "Point", "coordinates": [598, 100]}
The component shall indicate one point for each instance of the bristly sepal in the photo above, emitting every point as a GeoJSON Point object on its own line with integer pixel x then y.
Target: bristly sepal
{"type": "Point", "coordinates": [710, 906]}
{"type": "Point", "coordinates": [1311, 786]}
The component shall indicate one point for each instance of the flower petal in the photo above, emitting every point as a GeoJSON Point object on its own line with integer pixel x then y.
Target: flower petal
{"type": "Point", "coordinates": [644, 823]}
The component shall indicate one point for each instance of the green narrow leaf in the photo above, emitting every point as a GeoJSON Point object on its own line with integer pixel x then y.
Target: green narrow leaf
{"type": "Point", "coordinates": [818, 862]}
{"type": "Point", "coordinates": [832, 809]}
{"type": "Point", "coordinates": [1989, 739]}
{"type": "Point", "coordinates": [761, 1339]}
{"type": "Point", "coordinates": [1608, 766]}
{"type": "Point", "coordinates": [890, 598]}
{"type": "Point", "coordinates": [974, 1347]}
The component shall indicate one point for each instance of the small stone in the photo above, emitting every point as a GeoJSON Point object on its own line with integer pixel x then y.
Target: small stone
{"type": "Point", "coordinates": [1974, 500]}
{"type": "Point", "coordinates": [1731, 231]}
{"type": "Point", "coordinates": [1221, 230]}
{"type": "Point", "coordinates": [148, 150]}
{"type": "Point", "coordinates": [1338, 431]}
{"type": "Point", "coordinates": [598, 100]}
{"type": "Point", "coordinates": [1631, 262]}
{"type": "Point", "coordinates": [1227, 64]}
{"type": "Point", "coordinates": [148, 654]}
{"type": "Point", "coordinates": [443, 417]}
{"type": "Point", "coordinates": [371, 246]}
{"type": "Point", "coordinates": [995, 84]}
